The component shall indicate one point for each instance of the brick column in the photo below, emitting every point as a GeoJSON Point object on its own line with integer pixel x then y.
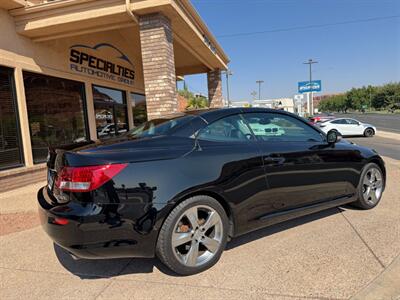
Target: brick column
{"type": "Point", "coordinates": [215, 88]}
{"type": "Point", "coordinates": [158, 65]}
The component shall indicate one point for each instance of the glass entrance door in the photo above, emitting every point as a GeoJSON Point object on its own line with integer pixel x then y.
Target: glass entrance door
{"type": "Point", "coordinates": [110, 111]}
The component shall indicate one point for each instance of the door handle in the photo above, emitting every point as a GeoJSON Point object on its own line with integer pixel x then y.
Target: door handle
{"type": "Point", "coordinates": [274, 160]}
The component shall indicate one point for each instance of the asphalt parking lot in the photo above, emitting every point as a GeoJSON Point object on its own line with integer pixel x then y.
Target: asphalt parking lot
{"type": "Point", "coordinates": [384, 146]}
{"type": "Point", "coordinates": [334, 254]}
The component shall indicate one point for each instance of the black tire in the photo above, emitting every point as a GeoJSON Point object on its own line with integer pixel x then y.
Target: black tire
{"type": "Point", "coordinates": [369, 132]}
{"type": "Point", "coordinates": [361, 201]}
{"type": "Point", "coordinates": [164, 248]}
{"type": "Point", "coordinates": [338, 133]}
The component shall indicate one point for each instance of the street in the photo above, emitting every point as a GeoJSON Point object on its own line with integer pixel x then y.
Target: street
{"type": "Point", "coordinates": [384, 146]}
{"type": "Point", "coordinates": [384, 122]}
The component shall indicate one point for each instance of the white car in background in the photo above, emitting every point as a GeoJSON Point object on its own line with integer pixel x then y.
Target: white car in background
{"type": "Point", "coordinates": [348, 127]}
{"type": "Point", "coordinates": [267, 129]}
{"type": "Point", "coordinates": [109, 129]}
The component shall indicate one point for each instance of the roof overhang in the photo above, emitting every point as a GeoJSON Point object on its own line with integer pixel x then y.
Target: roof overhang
{"type": "Point", "coordinates": [12, 4]}
{"type": "Point", "coordinates": [58, 19]}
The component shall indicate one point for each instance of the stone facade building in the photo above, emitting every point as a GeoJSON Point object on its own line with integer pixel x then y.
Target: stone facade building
{"type": "Point", "coordinates": [73, 70]}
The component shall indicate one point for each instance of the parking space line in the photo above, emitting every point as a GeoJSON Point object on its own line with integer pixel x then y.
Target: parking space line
{"type": "Point", "coordinates": [361, 238]}
{"type": "Point", "coordinates": [384, 285]}
{"type": "Point", "coordinates": [113, 278]}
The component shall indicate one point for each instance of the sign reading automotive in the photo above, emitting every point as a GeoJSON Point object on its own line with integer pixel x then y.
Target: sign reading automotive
{"type": "Point", "coordinates": [103, 61]}
{"type": "Point", "coordinates": [307, 86]}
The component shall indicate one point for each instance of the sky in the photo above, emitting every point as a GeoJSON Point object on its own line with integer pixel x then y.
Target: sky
{"type": "Point", "coordinates": [364, 50]}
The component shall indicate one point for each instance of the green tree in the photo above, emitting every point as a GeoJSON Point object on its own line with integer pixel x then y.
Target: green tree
{"type": "Point", "coordinates": [377, 97]}
{"type": "Point", "coordinates": [194, 102]}
{"type": "Point", "coordinates": [387, 96]}
{"type": "Point", "coordinates": [358, 98]}
{"type": "Point", "coordinates": [197, 102]}
{"type": "Point", "coordinates": [334, 103]}
{"type": "Point", "coordinates": [378, 100]}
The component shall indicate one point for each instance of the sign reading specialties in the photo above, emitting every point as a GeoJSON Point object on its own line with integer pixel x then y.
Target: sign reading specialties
{"type": "Point", "coordinates": [307, 86]}
{"type": "Point", "coordinates": [103, 61]}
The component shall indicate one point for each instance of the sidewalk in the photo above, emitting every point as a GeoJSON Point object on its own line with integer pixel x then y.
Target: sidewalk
{"type": "Point", "coordinates": [20, 200]}
{"type": "Point", "coordinates": [335, 254]}
{"type": "Point", "coordinates": [18, 209]}
{"type": "Point", "coordinates": [385, 286]}
{"type": "Point", "coordinates": [389, 135]}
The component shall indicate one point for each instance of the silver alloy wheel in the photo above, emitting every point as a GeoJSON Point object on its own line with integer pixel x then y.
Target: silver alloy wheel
{"type": "Point", "coordinates": [372, 186]}
{"type": "Point", "coordinates": [197, 235]}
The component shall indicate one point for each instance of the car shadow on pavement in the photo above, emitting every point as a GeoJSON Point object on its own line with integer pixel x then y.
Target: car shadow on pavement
{"type": "Point", "coordinates": [273, 229]}
{"type": "Point", "coordinates": [106, 268]}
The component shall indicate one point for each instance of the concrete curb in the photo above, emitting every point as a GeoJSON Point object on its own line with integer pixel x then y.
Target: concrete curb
{"type": "Point", "coordinates": [389, 135]}
{"type": "Point", "coordinates": [385, 286]}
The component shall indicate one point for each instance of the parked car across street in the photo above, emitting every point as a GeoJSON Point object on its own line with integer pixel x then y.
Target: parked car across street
{"type": "Point", "coordinates": [180, 187]}
{"type": "Point", "coordinates": [348, 127]}
{"type": "Point", "coordinates": [321, 118]}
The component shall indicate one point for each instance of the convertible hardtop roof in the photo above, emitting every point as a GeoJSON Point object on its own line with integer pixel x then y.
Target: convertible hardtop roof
{"type": "Point", "coordinates": [211, 114]}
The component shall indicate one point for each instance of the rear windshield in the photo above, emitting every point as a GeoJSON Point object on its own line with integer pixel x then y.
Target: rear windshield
{"type": "Point", "coordinates": [162, 126]}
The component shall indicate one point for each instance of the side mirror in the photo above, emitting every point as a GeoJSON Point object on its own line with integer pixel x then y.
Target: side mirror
{"type": "Point", "coordinates": [333, 137]}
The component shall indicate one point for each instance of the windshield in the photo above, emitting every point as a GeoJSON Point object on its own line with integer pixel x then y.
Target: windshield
{"type": "Point", "coordinates": [162, 126]}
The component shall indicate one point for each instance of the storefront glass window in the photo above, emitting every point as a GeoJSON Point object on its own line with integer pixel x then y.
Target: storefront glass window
{"type": "Point", "coordinates": [110, 110]}
{"type": "Point", "coordinates": [10, 143]}
{"type": "Point", "coordinates": [56, 112]}
{"type": "Point", "coordinates": [139, 109]}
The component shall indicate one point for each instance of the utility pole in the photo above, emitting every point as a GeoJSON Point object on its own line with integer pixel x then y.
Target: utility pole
{"type": "Point", "coordinates": [227, 74]}
{"type": "Point", "coordinates": [310, 104]}
{"type": "Point", "coordinates": [259, 88]}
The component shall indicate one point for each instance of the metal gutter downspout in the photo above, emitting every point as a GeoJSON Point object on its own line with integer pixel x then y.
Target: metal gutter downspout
{"type": "Point", "coordinates": [129, 12]}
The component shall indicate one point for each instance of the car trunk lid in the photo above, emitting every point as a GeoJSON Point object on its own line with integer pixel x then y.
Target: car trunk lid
{"type": "Point", "coordinates": [112, 151]}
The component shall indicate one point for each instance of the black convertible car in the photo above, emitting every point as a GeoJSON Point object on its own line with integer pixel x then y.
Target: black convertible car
{"type": "Point", "coordinates": [181, 186]}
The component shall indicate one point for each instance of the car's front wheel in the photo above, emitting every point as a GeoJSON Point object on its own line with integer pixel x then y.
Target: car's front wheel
{"type": "Point", "coordinates": [193, 236]}
{"type": "Point", "coordinates": [371, 186]}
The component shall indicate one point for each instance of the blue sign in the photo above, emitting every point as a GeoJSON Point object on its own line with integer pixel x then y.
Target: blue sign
{"type": "Point", "coordinates": [307, 86]}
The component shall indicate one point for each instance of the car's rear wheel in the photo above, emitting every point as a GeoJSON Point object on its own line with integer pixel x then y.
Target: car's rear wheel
{"type": "Point", "coordinates": [369, 132]}
{"type": "Point", "coordinates": [193, 236]}
{"type": "Point", "coordinates": [371, 187]}
{"type": "Point", "coordinates": [337, 131]}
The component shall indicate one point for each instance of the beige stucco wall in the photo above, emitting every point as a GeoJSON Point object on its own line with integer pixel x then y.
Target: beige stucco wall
{"type": "Point", "coordinates": [52, 58]}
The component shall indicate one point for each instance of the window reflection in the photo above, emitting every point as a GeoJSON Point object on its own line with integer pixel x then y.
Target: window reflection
{"type": "Point", "coordinates": [110, 112]}
{"type": "Point", "coordinates": [139, 109]}
{"type": "Point", "coordinates": [55, 111]}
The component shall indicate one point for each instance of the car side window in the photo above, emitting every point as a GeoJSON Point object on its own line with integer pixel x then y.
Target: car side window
{"type": "Point", "coordinates": [340, 121]}
{"type": "Point", "coordinates": [281, 127]}
{"type": "Point", "coordinates": [351, 122]}
{"type": "Point", "coordinates": [228, 129]}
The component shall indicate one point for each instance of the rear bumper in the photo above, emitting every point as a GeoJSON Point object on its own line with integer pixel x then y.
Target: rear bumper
{"type": "Point", "coordinates": [95, 231]}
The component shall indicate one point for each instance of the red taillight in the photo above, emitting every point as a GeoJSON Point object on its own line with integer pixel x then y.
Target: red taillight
{"type": "Point", "coordinates": [60, 221]}
{"type": "Point", "coordinates": [86, 179]}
